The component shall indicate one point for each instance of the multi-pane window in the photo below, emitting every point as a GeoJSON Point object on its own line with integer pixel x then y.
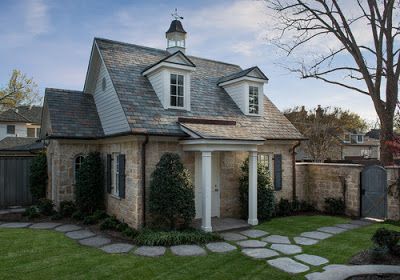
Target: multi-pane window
{"type": "Point", "coordinates": [30, 132]}
{"type": "Point", "coordinates": [77, 166]}
{"type": "Point", "coordinates": [177, 92]}
{"type": "Point", "coordinates": [266, 160]}
{"type": "Point", "coordinates": [253, 100]}
{"type": "Point", "coordinates": [10, 129]}
{"type": "Point", "coordinates": [360, 138]}
{"type": "Point", "coordinates": [115, 175]}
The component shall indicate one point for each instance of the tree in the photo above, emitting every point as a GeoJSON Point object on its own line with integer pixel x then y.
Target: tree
{"type": "Point", "coordinates": [324, 127]}
{"type": "Point", "coordinates": [374, 65]}
{"type": "Point", "coordinates": [20, 90]}
{"type": "Point", "coordinates": [38, 176]}
{"type": "Point", "coordinates": [171, 199]}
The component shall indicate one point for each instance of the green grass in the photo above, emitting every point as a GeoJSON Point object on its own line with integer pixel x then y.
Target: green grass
{"type": "Point", "coordinates": [34, 254]}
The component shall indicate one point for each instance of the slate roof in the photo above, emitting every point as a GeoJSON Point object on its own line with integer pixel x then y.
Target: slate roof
{"type": "Point", "coordinates": [20, 144]}
{"type": "Point", "coordinates": [145, 113]}
{"type": "Point", "coordinates": [176, 26]}
{"type": "Point", "coordinates": [374, 133]}
{"type": "Point", "coordinates": [22, 114]}
{"type": "Point", "coordinates": [11, 116]}
{"type": "Point", "coordinates": [72, 114]}
{"type": "Point", "coordinates": [240, 74]}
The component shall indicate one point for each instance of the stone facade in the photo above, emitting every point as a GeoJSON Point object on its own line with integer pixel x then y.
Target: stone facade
{"type": "Point", "coordinates": [62, 154]}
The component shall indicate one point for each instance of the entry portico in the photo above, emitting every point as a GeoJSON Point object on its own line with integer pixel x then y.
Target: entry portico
{"type": "Point", "coordinates": [206, 149]}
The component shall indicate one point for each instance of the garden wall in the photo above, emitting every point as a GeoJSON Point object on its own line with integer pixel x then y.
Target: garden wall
{"type": "Point", "coordinates": [317, 181]}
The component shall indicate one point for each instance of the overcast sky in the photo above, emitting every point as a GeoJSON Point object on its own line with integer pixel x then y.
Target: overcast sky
{"type": "Point", "coordinates": [51, 41]}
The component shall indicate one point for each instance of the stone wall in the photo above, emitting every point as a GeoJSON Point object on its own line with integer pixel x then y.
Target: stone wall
{"type": "Point", "coordinates": [317, 181]}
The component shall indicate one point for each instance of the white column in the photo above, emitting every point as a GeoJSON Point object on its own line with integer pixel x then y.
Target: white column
{"type": "Point", "coordinates": [253, 189]}
{"type": "Point", "coordinates": [206, 191]}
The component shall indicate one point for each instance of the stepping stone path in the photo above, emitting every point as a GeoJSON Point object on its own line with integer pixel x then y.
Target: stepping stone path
{"type": "Point", "coordinates": [259, 253]}
{"type": "Point", "coordinates": [316, 235]}
{"type": "Point", "coordinates": [252, 243]}
{"type": "Point", "coordinates": [232, 236]}
{"type": "Point", "coordinates": [347, 226]}
{"type": "Point", "coordinates": [311, 259]}
{"type": "Point", "coordinates": [304, 241]}
{"type": "Point", "coordinates": [287, 249]}
{"type": "Point", "coordinates": [44, 225]}
{"type": "Point", "coordinates": [80, 234]}
{"type": "Point", "coordinates": [288, 265]}
{"type": "Point", "coordinates": [67, 228]}
{"type": "Point", "coordinates": [150, 251]}
{"type": "Point", "coordinates": [97, 241]}
{"type": "Point", "coordinates": [360, 222]}
{"type": "Point", "coordinates": [332, 230]}
{"type": "Point", "coordinates": [188, 250]}
{"type": "Point", "coordinates": [220, 247]}
{"type": "Point", "coordinates": [276, 239]}
{"type": "Point", "coordinates": [254, 233]}
{"type": "Point", "coordinates": [15, 225]}
{"type": "Point", "coordinates": [117, 248]}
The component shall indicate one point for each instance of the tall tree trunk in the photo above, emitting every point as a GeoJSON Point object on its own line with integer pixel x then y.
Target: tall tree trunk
{"type": "Point", "coordinates": [386, 155]}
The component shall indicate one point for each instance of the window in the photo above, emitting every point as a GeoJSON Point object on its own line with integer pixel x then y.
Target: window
{"type": "Point", "coordinates": [253, 100]}
{"type": "Point", "coordinates": [176, 90]}
{"type": "Point", "coordinates": [115, 174]}
{"type": "Point", "coordinates": [77, 165]}
{"type": "Point", "coordinates": [360, 138]}
{"type": "Point", "coordinates": [10, 129]}
{"type": "Point", "coordinates": [37, 131]}
{"type": "Point", "coordinates": [347, 138]}
{"type": "Point", "coordinates": [266, 160]}
{"type": "Point", "coordinates": [30, 132]}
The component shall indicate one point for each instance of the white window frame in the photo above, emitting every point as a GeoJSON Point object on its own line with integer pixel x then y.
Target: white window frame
{"type": "Point", "coordinates": [177, 86]}
{"type": "Point", "coordinates": [115, 174]}
{"type": "Point", "coordinates": [34, 132]}
{"type": "Point", "coordinates": [270, 166]}
{"type": "Point", "coordinates": [254, 105]}
{"type": "Point", "coordinates": [11, 125]}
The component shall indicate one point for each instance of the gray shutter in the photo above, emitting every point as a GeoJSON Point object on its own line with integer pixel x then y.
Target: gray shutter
{"type": "Point", "coordinates": [278, 172]}
{"type": "Point", "coordinates": [121, 179]}
{"type": "Point", "coordinates": [108, 173]}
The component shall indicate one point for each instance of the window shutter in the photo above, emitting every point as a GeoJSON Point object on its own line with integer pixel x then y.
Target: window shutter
{"type": "Point", "coordinates": [278, 172]}
{"type": "Point", "coordinates": [121, 179]}
{"type": "Point", "coordinates": [108, 173]}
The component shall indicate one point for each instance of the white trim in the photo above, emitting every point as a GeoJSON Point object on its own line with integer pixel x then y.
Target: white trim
{"type": "Point", "coordinates": [189, 132]}
{"type": "Point", "coordinates": [168, 65]}
{"type": "Point", "coordinates": [245, 78]}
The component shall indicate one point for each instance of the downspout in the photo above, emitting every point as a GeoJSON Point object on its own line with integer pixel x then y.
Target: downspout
{"type": "Point", "coordinates": [293, 152]}
{"type": "Point", "coordinates": [144, 179]}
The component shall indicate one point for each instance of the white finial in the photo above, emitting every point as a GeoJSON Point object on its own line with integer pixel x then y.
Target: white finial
{"type": "Point", "coordinates": [175, 15]}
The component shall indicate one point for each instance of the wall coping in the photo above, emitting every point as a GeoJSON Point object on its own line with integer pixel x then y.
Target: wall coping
{"type": "Point", "coordinates": [330, 164]}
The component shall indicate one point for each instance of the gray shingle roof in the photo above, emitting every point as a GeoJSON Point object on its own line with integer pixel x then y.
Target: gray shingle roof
{"type": "Point", "coordinates": [145, 113]}
{"type": "Point", "coordinates": [72, 114]}
{"type": "Point", "coordinates": [24, 114]}
{"type": "Point", "coordinates": [176, 26]}
{"type": "Point", "coordinates": [20, 144]}
{"type": "Point", "coordinates": [240, 74]}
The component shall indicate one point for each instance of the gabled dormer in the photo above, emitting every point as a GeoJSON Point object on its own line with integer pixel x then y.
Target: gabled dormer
{"type": "Point", "coordinates": [246, 88]}
{"type": "Point", "coordinates": [170, 79]}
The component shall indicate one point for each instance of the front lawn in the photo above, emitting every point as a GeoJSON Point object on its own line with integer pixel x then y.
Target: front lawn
{"type": "Point", "coordinates": [35, 254]}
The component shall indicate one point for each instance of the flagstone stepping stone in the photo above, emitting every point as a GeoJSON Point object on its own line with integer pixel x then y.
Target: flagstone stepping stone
{"type": "Point", "coordinates": [150, 251]}
{"type": "Point", "coordinates": [251, 243]}
{"type": "Point", "coordinates": [287, 249]}
{"type": "Point", "coordinates": [97, 241]}
{"type": "Point", "coordinates": [220, 247]}
{"type": "Point", "coordinates": [304, 241]}
{"type": "Point", "coordinates": [254, 233]}
{"type": "Point", "coordinates": [188, 250]}
{"type": "Point", "coordinates": [288, 265]}
{"type": "Point", "coordinates": [332, 230]}
{"type": "Point", "coordinates": [311, 259]}
{"type": "Point", "coordinates": [232, 236]}
{"type": "Point", "coordinates": [259, 253]}
{"type": "Point", "coordinates": [67, 228]}
{"type": "Point", "coordinates": [360, 222]}
{"type": "Point", "coordinates": [117, 248]}
{"type": "Point", "coordinates": [15, 225]}
{"type": "Point", "coordinates": [44, 225]}
{"type": "Point", "coordinates": [276, 239]}
{"type": "Point", "coordinates": [347, 226]}
{"type": "Point", "coordinates": [316, 235]}
{"type": "Point", "coordinates": [80, 234]}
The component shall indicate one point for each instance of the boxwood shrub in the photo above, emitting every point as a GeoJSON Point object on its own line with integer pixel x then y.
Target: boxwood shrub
{"type": "Point", "coordinates": [38, 176]}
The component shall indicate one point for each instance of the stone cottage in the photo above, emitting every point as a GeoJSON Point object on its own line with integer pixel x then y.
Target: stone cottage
{"type": "Point", "coordinates": [140, 102]}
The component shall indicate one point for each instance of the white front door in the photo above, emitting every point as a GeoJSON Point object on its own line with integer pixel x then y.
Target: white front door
{"type": "Point", "coordinates": [215, 185]}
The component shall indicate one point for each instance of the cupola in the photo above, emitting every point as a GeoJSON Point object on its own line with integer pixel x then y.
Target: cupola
{"type": "Point", "coordinates": [176, 35]}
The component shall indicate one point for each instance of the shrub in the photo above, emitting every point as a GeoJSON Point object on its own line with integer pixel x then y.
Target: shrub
{"type": "Point", "coordinates": [334, 206]}
{"type": "Point", "coordinates": [57, 216]}
{"type": "Point", "coordinates": [77, 215]}
{"type": "Point", "coordinates": [67, 208]}
{"type": "Point", "coordinates": [171, 198]}
{"type": "Point", "coordinates": [385, 238]}
{"type": "Point", "coordinates": [97, 216]}
{"type": "Point", "coordinates": [265, 193]}
{"type": "Point", "coordinates": [130, 232]}
{"type": "Point", "coordinates": [31, 212]}
{"type": "Point", "coordinates": [46, 206]}
{"type": "Point", "coordinates": [109, 223]}
{"type": "Point", "coordinates": [283, 208]}
{"type": "Point", "coordinates": [89, 220]}
{"type": "Point", "coordinates": [38, 176]}
{"type": "Point", "coordinates": [168, 238]}
{"type": "Point", "coordinates": [89, 192]}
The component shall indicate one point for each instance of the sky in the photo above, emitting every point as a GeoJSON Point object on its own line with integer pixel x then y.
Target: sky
{"type": "Point", "coordinates": [51, 42]}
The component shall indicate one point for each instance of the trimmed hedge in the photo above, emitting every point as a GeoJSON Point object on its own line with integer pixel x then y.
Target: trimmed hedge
{"type": "Point", "coordinates": [38, 176]}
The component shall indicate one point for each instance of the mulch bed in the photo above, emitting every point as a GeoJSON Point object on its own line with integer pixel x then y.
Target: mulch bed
{"type": "Point", "coordinates": [365, 257]}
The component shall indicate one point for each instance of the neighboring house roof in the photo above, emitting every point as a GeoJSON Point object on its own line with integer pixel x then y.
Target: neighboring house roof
{"type": "Point", "coordinates": [145, 113]}
{"type": "Point", "coordinates": [20, 144]}
{"type": "Point", "coordinates": [72, 114]}
{"type": "Point", "coordinates": [240, 74]}
{"type": "Point", "coordinates": [23, 114]}
{"type": "Point", "coordinates": [176, 26]}
{"type": "Point", "coordinates": [374, 133]}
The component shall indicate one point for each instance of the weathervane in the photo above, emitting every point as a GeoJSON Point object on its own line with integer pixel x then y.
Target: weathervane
{"type": "Point", "coordinates": [175, 15]}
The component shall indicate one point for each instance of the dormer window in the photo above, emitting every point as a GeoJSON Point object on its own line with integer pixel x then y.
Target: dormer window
{"type": "Point", "coordinates": [253, 100]}
{"type": "Point", "coordinates": [177, 90]}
